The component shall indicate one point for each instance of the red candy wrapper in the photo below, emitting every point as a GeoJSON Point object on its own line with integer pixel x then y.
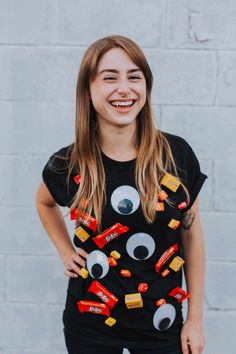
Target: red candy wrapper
{"type": "Point", "coordinates": [179, 294]}
{"type": "Point", "coordinates": [105, 295]}
{"type": "Point", "coordinates": [93, 307]}
{"type": "Point", "coordinates": [84, 218]}
{"type": "Point", "coordinates": [110, 234]}
{"type": "Point", "coordinates": [165, 256]}
{"type": "Point", "coordinates": [77, 179]}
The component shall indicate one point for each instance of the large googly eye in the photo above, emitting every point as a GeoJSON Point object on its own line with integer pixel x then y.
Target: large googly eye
{"type": "Point", "coordinates": [97, 264]}
{"type": "Point", "coordinates": [125, 200]}
{"type": "Point", "coordinates": [140, 246]}
{"type": "Point", "coordinates": [164, 317]}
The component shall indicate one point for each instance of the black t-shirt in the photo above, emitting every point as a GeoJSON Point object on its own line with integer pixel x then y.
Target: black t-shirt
{"type": "Point", "coordinates": [149, 326]}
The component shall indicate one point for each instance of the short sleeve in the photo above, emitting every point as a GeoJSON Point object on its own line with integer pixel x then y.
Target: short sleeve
{"type": "Point", "coordinates": [195, 178]}
{"type": "Point", "coordinates": [55, 174]}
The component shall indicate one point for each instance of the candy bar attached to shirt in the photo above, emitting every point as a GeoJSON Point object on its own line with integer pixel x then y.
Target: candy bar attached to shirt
{"type": "Point", "coordinates": [105, 295]}
{"type": "Point", "coordinates": [179, 294]}
{"type": "Point", "coordinates": [110, 234]}
{"type": "Point", "coordinates": [84, 218]}
{"type": "Point", "coordinates": [93, 307]}
{"type": "Point", "coordinates": [165, 256]}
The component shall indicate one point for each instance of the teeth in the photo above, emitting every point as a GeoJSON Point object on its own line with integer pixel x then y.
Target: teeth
{"type": "Point", "coordinates": [122, 104]}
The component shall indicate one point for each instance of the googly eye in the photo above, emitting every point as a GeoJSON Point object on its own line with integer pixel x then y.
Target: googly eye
{"type": "Point", "coordinates": [97, 264]}
{"type": "Point", "coordinates": [125, 200]}
{"type": "Point", "coordinates": [164, 317]}
{"type": "Point", "coordinates": [140, 246]}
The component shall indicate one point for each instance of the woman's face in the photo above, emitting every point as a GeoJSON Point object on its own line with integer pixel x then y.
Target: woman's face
{"type": "Point", "coordinates": [118, 91]}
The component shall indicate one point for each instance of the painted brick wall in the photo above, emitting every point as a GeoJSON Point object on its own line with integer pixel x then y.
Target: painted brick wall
{"type": "Point", "coordinates": [191, 48]}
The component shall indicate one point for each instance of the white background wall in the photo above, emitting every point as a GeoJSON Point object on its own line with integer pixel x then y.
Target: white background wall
{"type": "Point", "coordinates": [191, 48]}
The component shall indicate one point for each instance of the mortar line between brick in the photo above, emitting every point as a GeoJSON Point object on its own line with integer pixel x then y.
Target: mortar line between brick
{"type": "Point", "coordinates": [217, 78]}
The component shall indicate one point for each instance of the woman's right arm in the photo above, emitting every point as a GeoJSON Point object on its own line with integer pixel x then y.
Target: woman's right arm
{"type": "Point", "coordinates": [54, 224]}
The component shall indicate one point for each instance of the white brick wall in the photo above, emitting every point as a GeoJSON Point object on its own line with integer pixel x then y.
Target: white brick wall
{"type": "Point", "coordinates": [191, 48]}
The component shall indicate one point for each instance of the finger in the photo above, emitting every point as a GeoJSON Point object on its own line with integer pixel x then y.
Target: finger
{"type": "Point", "coordinates": [82, 252]}
{"type": "Point", "coordinates": [74, 268]}
{"type": "Point", "coordinates": [185, 346]}
{"type": "Point", "coordinates": [79, 260]}
{"type": "Point", "coordinates": [70, 274]}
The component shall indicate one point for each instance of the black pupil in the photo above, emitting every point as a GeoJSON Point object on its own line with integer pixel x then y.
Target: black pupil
{"type": "Point", "coordinates": [96, 270]}
{"type": "Point", "coordinates": [125, 206]}
{"type": "Point", "coordinates": [164, 324]}
{"type": "Point", "coordinates": [141, 252]}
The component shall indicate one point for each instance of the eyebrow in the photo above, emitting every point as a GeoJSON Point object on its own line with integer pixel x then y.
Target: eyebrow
{"type": "Point", "coordinates": [117, 71]}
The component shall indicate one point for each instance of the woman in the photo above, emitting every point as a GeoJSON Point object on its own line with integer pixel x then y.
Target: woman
{"type": "Point", "coordinates": [132, 190]}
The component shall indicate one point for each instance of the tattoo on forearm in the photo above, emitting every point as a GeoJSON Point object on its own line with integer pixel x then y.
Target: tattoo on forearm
{"type": "Point", "coordinates": [188, 219]}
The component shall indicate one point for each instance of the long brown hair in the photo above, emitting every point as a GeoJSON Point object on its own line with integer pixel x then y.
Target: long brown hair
{"type": "Point", "coordinates": [154, 157]}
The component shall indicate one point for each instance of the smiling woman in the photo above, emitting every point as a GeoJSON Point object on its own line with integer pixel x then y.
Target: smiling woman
{"type": "Point", "coordinates": [130, 188]}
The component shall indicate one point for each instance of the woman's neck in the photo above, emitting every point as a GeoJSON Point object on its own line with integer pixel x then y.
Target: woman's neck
{"type": "Point", "coordinates": [118, 142]}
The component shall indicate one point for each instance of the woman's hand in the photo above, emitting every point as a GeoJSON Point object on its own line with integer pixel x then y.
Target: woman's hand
{"type": "Point", "coordinates": [192, 337]}
{"type": "Point", "coordinates": [73, 261]}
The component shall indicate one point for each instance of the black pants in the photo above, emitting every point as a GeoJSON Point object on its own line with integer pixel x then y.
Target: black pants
{"type": "Point", "coordinates": [82, 347]}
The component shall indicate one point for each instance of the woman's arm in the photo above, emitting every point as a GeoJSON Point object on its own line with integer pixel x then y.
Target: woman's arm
{"type": "Point", "coordinates": [194, 269]}
{"type": "Point", "coordinates": [54, 224]}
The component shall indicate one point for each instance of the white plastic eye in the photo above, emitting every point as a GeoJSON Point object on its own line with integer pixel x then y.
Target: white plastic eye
{"type": "Point", "coordinates": [125, 200]}
{"type": "Point", "coordinates": [97, 264]}
{"type": "Point", "coordinates": [164, 317]}
{"type": "Point", "coordinates": [140, 246]}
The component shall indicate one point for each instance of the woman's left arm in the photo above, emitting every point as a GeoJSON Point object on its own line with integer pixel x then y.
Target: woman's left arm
{"type": "Point", "coordinates": [192, 335]}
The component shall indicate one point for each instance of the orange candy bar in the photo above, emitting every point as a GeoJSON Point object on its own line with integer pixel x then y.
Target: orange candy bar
{"type": "Point", "coordinates": [162, 195]}
{"type": "Point", "coordinates": [110, 234]}
{"type": "Point", "coordinates": [160, 206]}
{"type": "Point", "coordinates": [105, 295]}
{"type": "Point", "coordinates": [84, 218]}
{"type": "Point", "coordinates": [125, 273]}
{"type": "Point", "coordinates": [112, 261]}
{"type": "Point", "coordinates": [179, 294]}
{"type": "Point", "coordinates": [165, 256]}
{"type": "Point", "coordinates": [93, 307]}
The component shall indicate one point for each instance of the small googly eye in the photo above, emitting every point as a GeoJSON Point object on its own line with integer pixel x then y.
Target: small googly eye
{"type": "Point", "coordinates": [97, 264]}
{"type": "Point", "coordinates": [140, 246]}
{"type": "Point", "coordinates": [125, 200]}
{"type": "Point", "coordinates": [164, 317]}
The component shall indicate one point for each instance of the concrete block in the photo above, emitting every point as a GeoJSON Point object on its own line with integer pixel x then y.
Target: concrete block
{"type": "Point", "coordinates": [204, 128]}
{"type": "Point", "coordinates": [20, 176]}
{"type": "Point", "coordinates": [2, 277]}
{"type": "Point", "coordinates": [27, 21]}
{"type": "Point", "coordinates": [36, 128]}
{"type": "Point", "coordinates": [220, 285]}
{"type": "Point", "coordinates": [39, 73]}
{"type": "Point", "coordinates": [218, 230]}
{"type": "Point", "coordinates": [35, 279]}
{"type": "Point", "coordinates": [102, 18]}
{"type": "Point", "coordinates": [220, 332]}
{"type": "Point", "coordinates": [21, 231]}
{"type": "Point", "coordinates": [31, 326]}
{"type": "Point", "coordinates": [225, 185]}
{"type": "Point", "coordinates": [206, 193]}
{"type": "Point", "coordinates": [183, 77]}
{"type": "Point", "coordinates": [227, 79]}
{"type": "Point", "coordinates": [190, 24]}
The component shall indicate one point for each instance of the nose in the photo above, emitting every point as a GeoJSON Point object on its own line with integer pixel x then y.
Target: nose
{"type": "Point", "coordinates": [123, 87]}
